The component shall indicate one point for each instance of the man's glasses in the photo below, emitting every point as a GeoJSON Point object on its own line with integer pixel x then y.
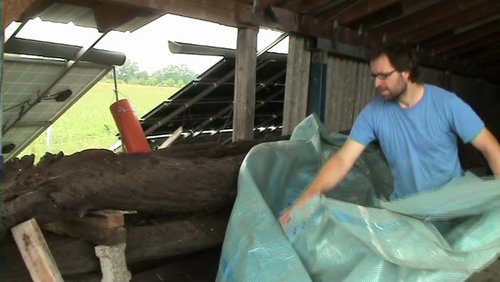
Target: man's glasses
{"type": "Point", "coordinates": [382, 75]}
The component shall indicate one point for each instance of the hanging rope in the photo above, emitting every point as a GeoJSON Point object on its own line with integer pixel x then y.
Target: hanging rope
{"type": "Point", "coordinates": [116, 85]}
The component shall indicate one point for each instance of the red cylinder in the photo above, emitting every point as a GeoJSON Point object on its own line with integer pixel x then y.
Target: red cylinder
{"type": "Point", "coordinates": [133, 138]}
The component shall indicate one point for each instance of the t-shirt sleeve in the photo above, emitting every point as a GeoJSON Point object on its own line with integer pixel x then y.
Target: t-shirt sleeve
{"type": "Point", "coordinates": [465, 122]}
{"type": "Point", "coordinates": [363, 130]}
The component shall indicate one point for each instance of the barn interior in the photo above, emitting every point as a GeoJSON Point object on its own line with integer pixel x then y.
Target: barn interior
{"type": "Point", "coordinates": [251, 95]}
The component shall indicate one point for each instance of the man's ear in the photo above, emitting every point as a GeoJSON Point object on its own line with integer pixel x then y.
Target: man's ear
{"type": "Point", "coordinates": [406, 75]}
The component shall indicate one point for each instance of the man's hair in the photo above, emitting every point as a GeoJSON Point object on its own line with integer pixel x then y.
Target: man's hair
{"type": "Point", "coordinates": [401, 56]}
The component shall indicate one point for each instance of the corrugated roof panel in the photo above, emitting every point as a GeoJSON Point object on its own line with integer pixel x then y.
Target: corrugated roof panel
{"type": "Point", "coordinates": [63, 13]}
{"type": "Point", "coordinates": [137, 23]}
{"type": "Point", "coordinates": [84, 16]}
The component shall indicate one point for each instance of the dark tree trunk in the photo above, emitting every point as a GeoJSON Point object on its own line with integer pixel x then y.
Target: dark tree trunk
{"type": "Point", "coordinates": [181, 179]}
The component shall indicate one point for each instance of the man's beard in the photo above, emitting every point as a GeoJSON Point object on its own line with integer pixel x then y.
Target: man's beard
{"type": "Point", "coordinates": [395, 97]}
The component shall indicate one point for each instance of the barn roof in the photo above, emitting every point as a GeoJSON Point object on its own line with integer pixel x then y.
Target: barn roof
{"type": "Point", "coordinates": [462, 35]}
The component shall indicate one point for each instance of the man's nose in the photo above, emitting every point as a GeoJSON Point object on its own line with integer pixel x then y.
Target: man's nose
{"type": "Point", "coordinates": [378, 82]}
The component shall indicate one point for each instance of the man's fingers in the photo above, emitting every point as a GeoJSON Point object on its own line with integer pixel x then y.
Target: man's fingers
{"type": "Point", "coordinates": [285, 218]}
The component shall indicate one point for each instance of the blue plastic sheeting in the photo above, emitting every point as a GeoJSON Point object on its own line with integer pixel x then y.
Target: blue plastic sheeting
{"type": "Point", "coordinates": [353, 233]}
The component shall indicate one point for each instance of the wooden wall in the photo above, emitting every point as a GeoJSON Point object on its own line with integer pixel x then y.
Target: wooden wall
{"type": "Point", "coordinates": [348, 90]}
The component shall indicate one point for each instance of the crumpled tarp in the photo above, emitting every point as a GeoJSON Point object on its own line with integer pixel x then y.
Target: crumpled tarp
{"type": "Point", "coordinates": [353, 233]}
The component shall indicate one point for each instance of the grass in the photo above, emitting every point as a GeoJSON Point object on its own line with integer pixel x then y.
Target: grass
{"type": "Point", "coordinates": [89, 122]}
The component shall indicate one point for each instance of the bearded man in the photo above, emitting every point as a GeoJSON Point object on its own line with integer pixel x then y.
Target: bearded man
{"type": "Point", "coordinates": [416, 125]}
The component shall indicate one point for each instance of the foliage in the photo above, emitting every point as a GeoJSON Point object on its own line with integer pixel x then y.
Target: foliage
{"type": "Point", "coordinates": [170, 76]}
{"type": "Point", "coordinates": [89, 123]}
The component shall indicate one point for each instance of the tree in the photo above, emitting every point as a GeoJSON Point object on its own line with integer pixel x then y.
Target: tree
{"type": "Point", "coordinates": [173, 76]}
{"type": "Point", "coordinates": [176, 73]}
{"type": "Point", "coordinates": [127, 71]}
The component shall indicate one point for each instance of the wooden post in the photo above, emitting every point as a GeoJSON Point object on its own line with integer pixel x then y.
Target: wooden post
{"type": "Point", "coordinates": [244, 84]}
{"type": "Point", "coordinates": [35, 252]}
{"type": "Point", "coordinates": [297, 83]}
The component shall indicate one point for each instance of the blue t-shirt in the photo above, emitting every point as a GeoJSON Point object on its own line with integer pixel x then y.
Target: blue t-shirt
{"type": "Point", "coordinates": [419, 143]}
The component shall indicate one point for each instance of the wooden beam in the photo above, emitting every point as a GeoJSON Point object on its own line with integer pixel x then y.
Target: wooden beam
{"type": "Point", "coordinates": [466, 37]}
{"type": "Point", "coordinates": [100, 227]}
{"type": "Point", "coordinates": [410, 6]}
{"type": "Point", "coordinates": [236, 14]}
{"type": "Point", "coordinates": [284, 20]}
{"type": "Point", "coordinates": [492, 39]}
{"type": "Point", "coordinates": [297, 83]}
{"type": "Point", "coordinates": [244, 84]}
{"type": "Point", "coordinates": [100, 219]}
{"type": "Point", "coordinates": [222, 12]}
{"type": "Point", "coordinates": [35, 252]}
{"type": "Point", "coordinates": [260, 5]}
{"type": "Point", "coordinates": [459, 19]}
{"type": "Point", "coordinates": [177, 133]}
{"type": "Point", "coordinates": [109, 17]}
{"type": "Point", "coordinates": [317, 7]}
{"type": "Point", "coordinates": [485, 56]}
{"type": "Point", "coordinates": [16, 10]}
{"type": "Point", "coordinates": [423, 17]}
{"type": "Point", "coordinates": [361, 9]}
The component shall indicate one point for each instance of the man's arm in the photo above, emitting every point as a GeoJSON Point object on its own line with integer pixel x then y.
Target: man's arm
{"type": "Point", "coordinates": [488, 145]}
{"type": "Point", "coordinates": [330, 175]}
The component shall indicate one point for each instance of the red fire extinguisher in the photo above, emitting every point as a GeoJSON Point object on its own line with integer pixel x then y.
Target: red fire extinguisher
{"type": "Point", "coordinates": [132, 135]}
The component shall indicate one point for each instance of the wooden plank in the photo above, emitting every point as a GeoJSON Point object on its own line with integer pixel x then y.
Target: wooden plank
{"type": "Point", "coordinates": [35, 252]}
{"type": "Point", "coordinates": [104, 227]}
{"type": "Point", "coordinates": [451, 22]}
{"type": "Point", "coordinates": [98, 236]}
{"type": "Point", "coordinates": [347, 94]}
{"type": "Point", "coordinates": [171, 139]}
{"type": "Point", "coordinates": [259, 5]}
{"type": "Point", "coordinates": [222, 12]}
{"type": "Point", "coordinates": [297, 83]}
{"type": "Point", "coordinates": [465, 37]}
{"type": "Point", "coordinates": [15, 10]}
{"type": "Point", "coordinates": [361, 9]}
{"type": "Point", "coordinates": [333, 107]}
{"type": "Point", "coordinates": [109, 17]}
{"type": "Point", "coordinates": [423, 17]}
{"type": "Point", "coordinates": [244, 84]}
{"type": "Point", "coordinates": [101, 219]}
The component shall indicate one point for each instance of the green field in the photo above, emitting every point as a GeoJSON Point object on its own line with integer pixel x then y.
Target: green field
{"type": "Point", "coordinates": [89, 123]}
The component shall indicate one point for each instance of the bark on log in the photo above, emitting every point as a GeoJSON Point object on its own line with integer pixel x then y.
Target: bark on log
{"type": "Point", "coordinates": [180, 179]}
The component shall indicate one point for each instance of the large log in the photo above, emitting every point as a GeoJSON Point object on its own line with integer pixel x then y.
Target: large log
{"type": "Point", "coordinates": [180, 179]}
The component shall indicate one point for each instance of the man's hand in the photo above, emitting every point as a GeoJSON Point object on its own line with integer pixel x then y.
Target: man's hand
{"type": "Point", "coordinates": [285, 217]}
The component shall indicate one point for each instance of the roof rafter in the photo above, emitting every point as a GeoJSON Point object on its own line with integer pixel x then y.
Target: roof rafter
{"type": "Point", "coordinates": [259, 5]}
{"type": "Point", "coordinates": [488, 40]}
{"type": "Point", "coordinates": [21, 10]}
{"type": "Point", "coordinates": [360, 9]}
{"type": "Point", "coordinates": [420, 18]}
{"type": "Point", "coordinates": [485, 56]}
{"type": "Point", "coordinates": [466, 37]}
{"type": "Point", "coordinates": [222, 11]}
{"type": "Point", "coordinates": [109, 17]}
{"type": "Point", "coordinates": [459, 19]}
